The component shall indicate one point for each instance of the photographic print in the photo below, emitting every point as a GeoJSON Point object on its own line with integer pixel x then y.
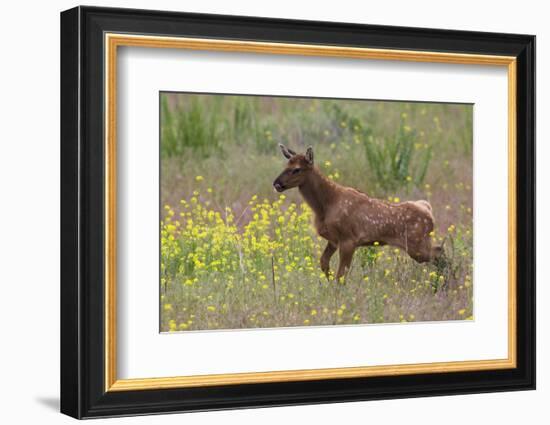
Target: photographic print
{"type": "Point", "coordinates": [330, 193]}
{"type": "Point", "coordinates": [285, 211]}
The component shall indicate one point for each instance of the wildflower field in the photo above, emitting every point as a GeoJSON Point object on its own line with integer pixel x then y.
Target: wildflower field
{"type": "Point", "coordinates": [235, 254]}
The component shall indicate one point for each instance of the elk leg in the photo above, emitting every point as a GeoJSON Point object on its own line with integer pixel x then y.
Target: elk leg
{"type": "Point", "coordinates": [437, 252]}
{"type": "Point", "coordinates": [345, 250]}
{"type": "Point", "coordinates": [425, 252]}
{"type": "Point", "coordinates": [329, 251]}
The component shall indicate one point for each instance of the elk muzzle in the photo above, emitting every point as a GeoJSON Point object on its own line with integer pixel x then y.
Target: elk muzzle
{"type": "Point", "coordinates": [279, 187]}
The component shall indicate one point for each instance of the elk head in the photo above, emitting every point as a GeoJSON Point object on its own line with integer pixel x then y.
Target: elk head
{"type": "Point", "coordinates": [297, 169]}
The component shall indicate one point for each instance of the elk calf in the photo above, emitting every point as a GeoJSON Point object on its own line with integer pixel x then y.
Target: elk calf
{"type": "Point", "coordinates": [348, 218]}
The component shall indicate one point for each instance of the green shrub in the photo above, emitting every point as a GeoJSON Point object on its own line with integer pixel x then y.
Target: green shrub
{"type": "Point", "coordinates": [397, 162]}
{"type": "Point", "coordinates": [189, 127]}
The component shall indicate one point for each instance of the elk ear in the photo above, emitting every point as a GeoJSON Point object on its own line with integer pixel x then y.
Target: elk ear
{"type": "Point", "coordinates": [287, 153]}
{"type": "Point", "coordinates": [309, 155]}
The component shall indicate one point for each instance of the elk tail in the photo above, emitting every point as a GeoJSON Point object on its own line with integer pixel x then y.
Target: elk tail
{"type": "Point", "coordinates": [425, 204]}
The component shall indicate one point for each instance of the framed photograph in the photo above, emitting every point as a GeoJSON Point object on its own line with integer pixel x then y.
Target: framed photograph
{"type": "Point", "coordinates": [261, 212]}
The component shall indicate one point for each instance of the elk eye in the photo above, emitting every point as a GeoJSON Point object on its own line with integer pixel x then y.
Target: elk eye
{"type": "Point", "coordinates": [296, 170]}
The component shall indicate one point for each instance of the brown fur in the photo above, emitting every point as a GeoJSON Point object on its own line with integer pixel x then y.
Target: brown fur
{"type": "Point", "coordinates": [348, 218]}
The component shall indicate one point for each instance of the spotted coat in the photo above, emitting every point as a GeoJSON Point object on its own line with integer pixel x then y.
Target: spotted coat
{"type": "Point", "coordinates": [348, 218]}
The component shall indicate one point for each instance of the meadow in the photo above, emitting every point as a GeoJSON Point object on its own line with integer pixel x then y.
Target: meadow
{"type": "Point", "coordinates": [235, 254]}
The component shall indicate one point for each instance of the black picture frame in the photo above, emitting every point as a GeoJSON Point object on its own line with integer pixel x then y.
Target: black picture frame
{"type": "Point", "coordinates": [83, 392]}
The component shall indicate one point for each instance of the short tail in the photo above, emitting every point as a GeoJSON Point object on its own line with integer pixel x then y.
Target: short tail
{"type": "Point", "coordinates": [425, 204]}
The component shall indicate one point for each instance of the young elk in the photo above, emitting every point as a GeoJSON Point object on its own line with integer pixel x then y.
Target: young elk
{"type": "Point", "coordinates": [348, 219]}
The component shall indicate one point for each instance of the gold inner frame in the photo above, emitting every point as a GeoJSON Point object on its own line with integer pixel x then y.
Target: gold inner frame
{"type": "Point", "coordinates": [113, 41]}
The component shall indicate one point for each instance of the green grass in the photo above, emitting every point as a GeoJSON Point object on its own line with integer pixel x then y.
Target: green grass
{"type": "Point", "coordinates": [189, 128]}
{"type": "Point", "coordinates": [219, 152]}
{"type": "Point", "coordinates": [398, 161]}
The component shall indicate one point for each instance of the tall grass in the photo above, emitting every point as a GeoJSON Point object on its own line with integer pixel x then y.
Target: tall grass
{"type": "Point", "coordinates": [398, 160]}
{"type": "Point", "coordinates": [189, 126]}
